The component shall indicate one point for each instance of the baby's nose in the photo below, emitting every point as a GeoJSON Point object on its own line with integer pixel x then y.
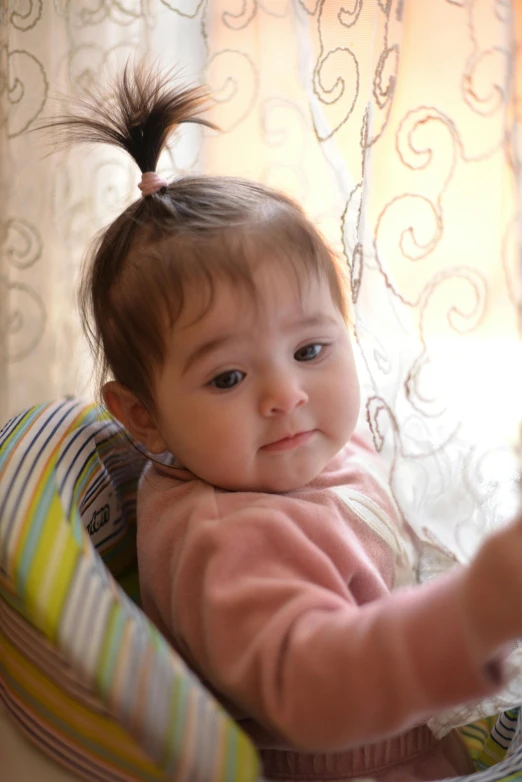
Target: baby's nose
{"type": "Point", "coordinates": [282, 396]}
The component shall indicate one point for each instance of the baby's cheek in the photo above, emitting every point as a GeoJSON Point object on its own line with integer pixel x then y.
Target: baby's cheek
{"type": "Point", "coordinates": [343, 416]}
{"type": "Point", "coordinates": [222, 432]}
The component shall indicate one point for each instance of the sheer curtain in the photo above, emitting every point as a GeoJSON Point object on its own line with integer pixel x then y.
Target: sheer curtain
{"type": "Point", "coordinates": [394, 123]}
{"type": "Point", "coordinates": [52, 205]}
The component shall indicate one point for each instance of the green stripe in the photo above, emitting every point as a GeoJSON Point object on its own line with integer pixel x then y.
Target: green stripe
{"type": "Point", "coordinates": [111, 647]}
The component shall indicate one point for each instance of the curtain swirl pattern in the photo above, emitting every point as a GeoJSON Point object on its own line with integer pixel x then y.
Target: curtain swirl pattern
{"type": "Point", "coordinates": [396, 124]}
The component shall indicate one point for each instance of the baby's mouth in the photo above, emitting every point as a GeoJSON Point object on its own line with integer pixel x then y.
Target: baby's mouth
{"type": "Point", "coordinates": [289, 441]}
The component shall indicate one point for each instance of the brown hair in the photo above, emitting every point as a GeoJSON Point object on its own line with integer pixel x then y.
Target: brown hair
{"type": "Point", "coordinates": [198, 228]}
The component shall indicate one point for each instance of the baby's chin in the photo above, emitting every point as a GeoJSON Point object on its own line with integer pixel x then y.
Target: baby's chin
{"type": "Point", "coordinates": [278, 483]}
{"type": "Point", "coordinates": [280, 477]}
{"type": "Point", "coordinates": [264, 487]}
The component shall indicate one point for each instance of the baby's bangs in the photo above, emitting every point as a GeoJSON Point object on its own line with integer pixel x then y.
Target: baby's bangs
{"type": "Point", "coordinates": [295, 245]}
{"type": "Point", "coordinates": [232, 255]}
{"type": "Point", "coordinates": [198, 263]}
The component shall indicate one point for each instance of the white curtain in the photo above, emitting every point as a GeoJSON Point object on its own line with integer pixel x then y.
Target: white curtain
{"type": "Point", "coordinates": [394, 123]}
{"type": "Point", "coordinates": [52, 205]}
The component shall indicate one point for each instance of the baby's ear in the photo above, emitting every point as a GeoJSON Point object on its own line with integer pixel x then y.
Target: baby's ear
{"type": "Point", "coordinates": [135, 417]}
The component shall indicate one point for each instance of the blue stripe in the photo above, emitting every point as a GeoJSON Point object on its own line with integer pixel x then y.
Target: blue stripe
{"type": "Point", "coordinates": [109, 537]}
{"type": "Point", "coordinates": [94, 486]}
{"type": "Point", "coordinates": [78, 433]}
{"type": "Point", "coordinates": [6, 450]}
{"type": "Point", "coordinates": [11, 425]}
{"type": "Point", "coordinates": [495, 739]}
{"type": "Point", "coordinates": [81, 431]}
{"type": "Point", "coordinates": [508, 723]}
{"type": "Point", "coordinates": [33, 443]}
{"type": "Point", "coordinates": [501, 730]}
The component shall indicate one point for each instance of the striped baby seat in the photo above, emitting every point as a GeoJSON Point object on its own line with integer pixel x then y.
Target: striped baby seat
{"type": "Point", "coordinates": [82, 671]}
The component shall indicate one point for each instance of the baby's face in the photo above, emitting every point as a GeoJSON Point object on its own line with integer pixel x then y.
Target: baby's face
{"type": "Point", "coordinates": [258, 395]}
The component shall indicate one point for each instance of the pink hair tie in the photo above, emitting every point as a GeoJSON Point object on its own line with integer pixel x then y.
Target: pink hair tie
{"type": "Point", "coordinates": [151, 183]}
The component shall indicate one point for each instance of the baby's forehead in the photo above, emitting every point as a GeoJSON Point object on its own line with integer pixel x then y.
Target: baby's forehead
{"type": "Point", "coordinates": [273, 290]}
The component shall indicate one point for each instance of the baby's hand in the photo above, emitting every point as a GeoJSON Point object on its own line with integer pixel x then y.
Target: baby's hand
{"type": "Point", "coordinates": [493, 589]}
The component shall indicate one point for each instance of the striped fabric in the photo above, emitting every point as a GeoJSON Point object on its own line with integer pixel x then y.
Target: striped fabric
{"type": "Point", "coordinates": [507, 770]}
{"type": "Point", "coordinates": [499, 740]}
{"type": "Point", "coordinates": [475, 737]}
{"type": "Point", "coordinates": [82, 671]}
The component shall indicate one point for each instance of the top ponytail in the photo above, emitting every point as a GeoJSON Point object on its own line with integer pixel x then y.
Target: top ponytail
{"type": "Point", "coordinates": [137, 115]}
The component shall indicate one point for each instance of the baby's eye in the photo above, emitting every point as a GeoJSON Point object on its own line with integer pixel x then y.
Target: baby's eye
{"type": "Point", "coordinates": [227, 380]}
{"type": "Point", "coordinates": [308, 352]}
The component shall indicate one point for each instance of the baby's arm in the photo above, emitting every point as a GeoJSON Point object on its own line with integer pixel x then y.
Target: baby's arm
{"type": "Point", "coordinates": [272, 625]}
{"type": "Point", "coordinates": [493, 590]}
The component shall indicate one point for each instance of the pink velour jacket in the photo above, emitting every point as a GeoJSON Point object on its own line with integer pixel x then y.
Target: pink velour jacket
{"type": "Point", "coordinates": [283, 605]}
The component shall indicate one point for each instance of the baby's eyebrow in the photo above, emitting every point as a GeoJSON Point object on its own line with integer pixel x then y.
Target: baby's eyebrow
{"type": "Point", "coordinates": [204, 349]}
{"type": "Point", "coordinates": [317, 319]}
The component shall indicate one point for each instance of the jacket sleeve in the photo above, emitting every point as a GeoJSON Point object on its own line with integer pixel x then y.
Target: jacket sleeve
{"type": "Point", "coordinates": [272, 625]}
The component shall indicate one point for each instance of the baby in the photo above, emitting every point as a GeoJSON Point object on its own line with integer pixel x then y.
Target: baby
{"type": "Point", "coordinates": [267, 543]}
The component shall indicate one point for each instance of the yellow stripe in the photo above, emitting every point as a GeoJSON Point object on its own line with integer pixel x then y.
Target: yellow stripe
{"type": "Point", "coordinates": [247, 759]}
{"type": "Point", "coordinates": [476, 734]}
{"type": "Point", "coordinates": [47, 473]}
{"type": "Point", "coordinates": [55, 552]}
{"type": "Point", "coordinates": [220, 754]}
{"type": "Point", "coordinates": [47, 588]}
